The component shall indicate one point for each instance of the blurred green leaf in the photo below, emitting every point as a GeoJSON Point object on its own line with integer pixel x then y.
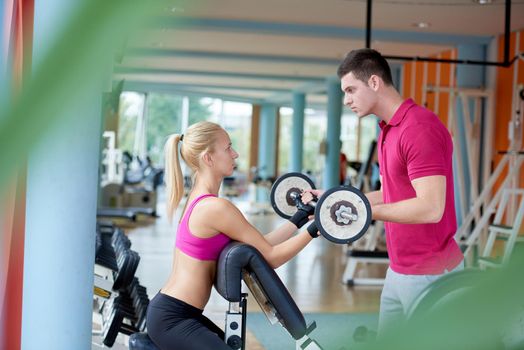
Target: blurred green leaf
{"type": "Point", "coordinates": [77, 62]}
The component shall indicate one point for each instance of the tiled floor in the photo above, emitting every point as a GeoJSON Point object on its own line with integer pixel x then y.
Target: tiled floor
{"type": "Point", "coordinates": [313, 277]}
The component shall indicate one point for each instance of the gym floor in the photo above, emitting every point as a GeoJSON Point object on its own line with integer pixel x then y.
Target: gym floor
{"type": "Point", "coordinates": [313, 277]}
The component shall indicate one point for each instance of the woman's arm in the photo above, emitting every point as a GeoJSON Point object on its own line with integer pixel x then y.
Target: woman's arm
{"type": "Point", "coordinates": [281, 233]}
{"type": "Point", "coordinates": [226, 218]}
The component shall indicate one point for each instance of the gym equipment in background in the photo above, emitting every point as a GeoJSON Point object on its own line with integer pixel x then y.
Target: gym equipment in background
{"type": "Point", "coordinates": [241, 262]}
{"type": "Point", "coordinates": [120, 302]}
{"type": "Point", "coordinates": [128, 183]}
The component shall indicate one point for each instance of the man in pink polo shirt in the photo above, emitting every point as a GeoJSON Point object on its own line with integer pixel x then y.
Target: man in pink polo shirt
{"type": "Point", "coordinates": [416, 201]}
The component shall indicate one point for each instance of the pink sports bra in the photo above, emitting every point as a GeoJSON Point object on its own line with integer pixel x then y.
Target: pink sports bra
{"type": "Point", "coordinates": [197, 247]}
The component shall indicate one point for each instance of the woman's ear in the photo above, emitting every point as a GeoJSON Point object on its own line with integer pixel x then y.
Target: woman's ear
{"type": "Point", "coordinates": [208, 160]}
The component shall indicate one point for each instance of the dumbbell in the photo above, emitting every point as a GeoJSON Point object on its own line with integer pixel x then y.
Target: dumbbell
{"type": "Point", "coordinates": [342, 214]}
{"type": "Point", "coordinates": [114, 312]}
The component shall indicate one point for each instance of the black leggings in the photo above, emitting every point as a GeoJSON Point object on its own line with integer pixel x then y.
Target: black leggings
{"type": "Point", "coordinates": [172, 323]}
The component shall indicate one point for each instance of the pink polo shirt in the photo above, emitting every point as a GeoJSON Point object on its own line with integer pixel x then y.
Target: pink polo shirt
{"type": "Point", "coordinates": [415, 144]}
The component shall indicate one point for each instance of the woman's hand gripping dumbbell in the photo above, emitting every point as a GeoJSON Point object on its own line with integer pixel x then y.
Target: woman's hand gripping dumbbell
{"type": "Point", "coordinates": [305, 210]}
{"type": "Point", "coordinates": [311, 196]}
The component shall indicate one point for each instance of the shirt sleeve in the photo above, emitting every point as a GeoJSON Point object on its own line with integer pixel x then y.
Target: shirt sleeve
{"type": "Point", "coordinates": [424, 150]}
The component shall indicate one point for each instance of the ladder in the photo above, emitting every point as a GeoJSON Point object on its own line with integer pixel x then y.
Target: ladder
{"type": "Point", "coordinates": [512, 162]}
{"type": "Point", "coordinates": [500, 232]}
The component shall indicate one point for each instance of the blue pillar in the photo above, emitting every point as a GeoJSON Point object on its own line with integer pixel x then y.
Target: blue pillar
{"type": "Point", "coordinates": [297, 127]}
{"type": "Point", "coordinates": [62, 185]}
{"type": "Point", "coordinates": [468, 76]}
{"type": "Point", "coordinates": [267, 140]}
{"type": "Point", "coordinates": [334, 115]}
{"type": "Point", "coordinates": [396, 72]}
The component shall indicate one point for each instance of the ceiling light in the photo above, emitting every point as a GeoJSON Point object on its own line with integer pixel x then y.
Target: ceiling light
{"type": "Point", "coordinates": [483, 2]}
{"type": "Point", "coordinates": [421, 25]}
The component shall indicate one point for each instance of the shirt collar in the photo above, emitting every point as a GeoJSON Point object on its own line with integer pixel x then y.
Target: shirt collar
{"type": "Point", "coordinates": [399, 114]}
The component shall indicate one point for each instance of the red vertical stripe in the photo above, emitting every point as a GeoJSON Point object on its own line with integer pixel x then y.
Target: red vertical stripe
{"type": "Point", "coordinates": [12, 308]}
{"type": "Point", "coordinates": [13, 234]}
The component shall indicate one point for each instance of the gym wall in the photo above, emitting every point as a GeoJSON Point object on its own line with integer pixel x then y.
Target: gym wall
{"type": "Point", "coordinates": [416, 75]}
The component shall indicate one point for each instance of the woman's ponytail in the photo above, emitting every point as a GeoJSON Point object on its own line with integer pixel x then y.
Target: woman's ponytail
{"type": "Point", "coordinates": [173, 175]}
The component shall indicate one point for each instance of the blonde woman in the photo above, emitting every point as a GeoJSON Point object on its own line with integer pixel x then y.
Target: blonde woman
{"type": "Point", "coordinates": [207, 224]}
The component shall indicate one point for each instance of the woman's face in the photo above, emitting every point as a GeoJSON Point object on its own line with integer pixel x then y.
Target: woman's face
{"type": "Point", "coordinates": [224, 155]}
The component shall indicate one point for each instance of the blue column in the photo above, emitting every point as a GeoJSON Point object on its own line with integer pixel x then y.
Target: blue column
{"type": "Point", "coordinates": [267, 140]}
{"type": "Point", "coordinates": [334, 115]}
{"type": "Point", "coordinates": [62, 184]}
{"type": "Point", "coordinates": [468, 76]}
{"type": "Point", "coordinates": [266, 148]}
{"type": "Point", "coordinates": [297, 127]}
{"type": "Point", "coordinates": [396, 72]}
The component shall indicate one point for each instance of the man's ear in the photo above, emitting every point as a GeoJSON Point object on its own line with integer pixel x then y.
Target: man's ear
{"type": "Point", "coordinates": [374, 82]}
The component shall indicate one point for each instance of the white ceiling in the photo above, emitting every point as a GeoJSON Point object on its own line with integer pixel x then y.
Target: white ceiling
{"type": "Point", "coordinates": [263, 50]}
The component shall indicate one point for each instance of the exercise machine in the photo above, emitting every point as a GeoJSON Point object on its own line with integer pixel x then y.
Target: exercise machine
{"type": "Point", "coordinates": [238, 263]}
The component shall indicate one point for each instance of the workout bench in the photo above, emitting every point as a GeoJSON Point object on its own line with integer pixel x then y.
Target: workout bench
{"type": "Point", "coordinates": [240, 262]}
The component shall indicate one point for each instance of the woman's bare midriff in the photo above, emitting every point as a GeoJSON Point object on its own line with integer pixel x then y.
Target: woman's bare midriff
{"type": "Point", "coordinates": [191, 280]}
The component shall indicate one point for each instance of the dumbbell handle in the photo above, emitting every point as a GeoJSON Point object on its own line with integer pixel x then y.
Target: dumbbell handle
{"type": "Point", "coordinates": [314, 201]}
{"type": "Point", "coordinates": [313, 229]}
{"type": "Point", "coordinates": [348, 216]}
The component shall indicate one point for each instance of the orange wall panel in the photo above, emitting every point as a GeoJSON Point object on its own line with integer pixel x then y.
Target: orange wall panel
{"type": "Point", "coordinates": [443, 80]}
{"type": "Point", "coordinates": [521, 62]}
{"type": "Point", "coordinates": [503, 98]}
{"type": "Point", "coordinates": [520, 81]}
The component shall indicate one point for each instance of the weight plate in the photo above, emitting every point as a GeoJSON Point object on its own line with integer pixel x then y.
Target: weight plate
{"type": "Point", "coordinates": [328, 214]}
{"type": "Point", "coordinates": [283, 189]}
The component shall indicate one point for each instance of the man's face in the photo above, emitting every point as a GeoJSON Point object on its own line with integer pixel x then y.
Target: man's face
{"type": "Point", "coordinates": [358, 96]}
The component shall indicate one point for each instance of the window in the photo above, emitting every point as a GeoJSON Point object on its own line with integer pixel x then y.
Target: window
{"type": "Point", "coordinates": [315, 129]}
{"type": "Point", "coordinates": [235, 118]}
{"type": "Point", "coordinates": [130, 113]}
{"type": "Point", "coordinates": [164, 115]}
{"type": "Point", "coordinates": [284, 140]}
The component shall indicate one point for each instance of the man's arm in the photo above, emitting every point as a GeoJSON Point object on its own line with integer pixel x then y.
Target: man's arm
{"type": "Point", "coordinates": [375, 197]}
{"type": "Point", "coordinates": [427, 207]}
